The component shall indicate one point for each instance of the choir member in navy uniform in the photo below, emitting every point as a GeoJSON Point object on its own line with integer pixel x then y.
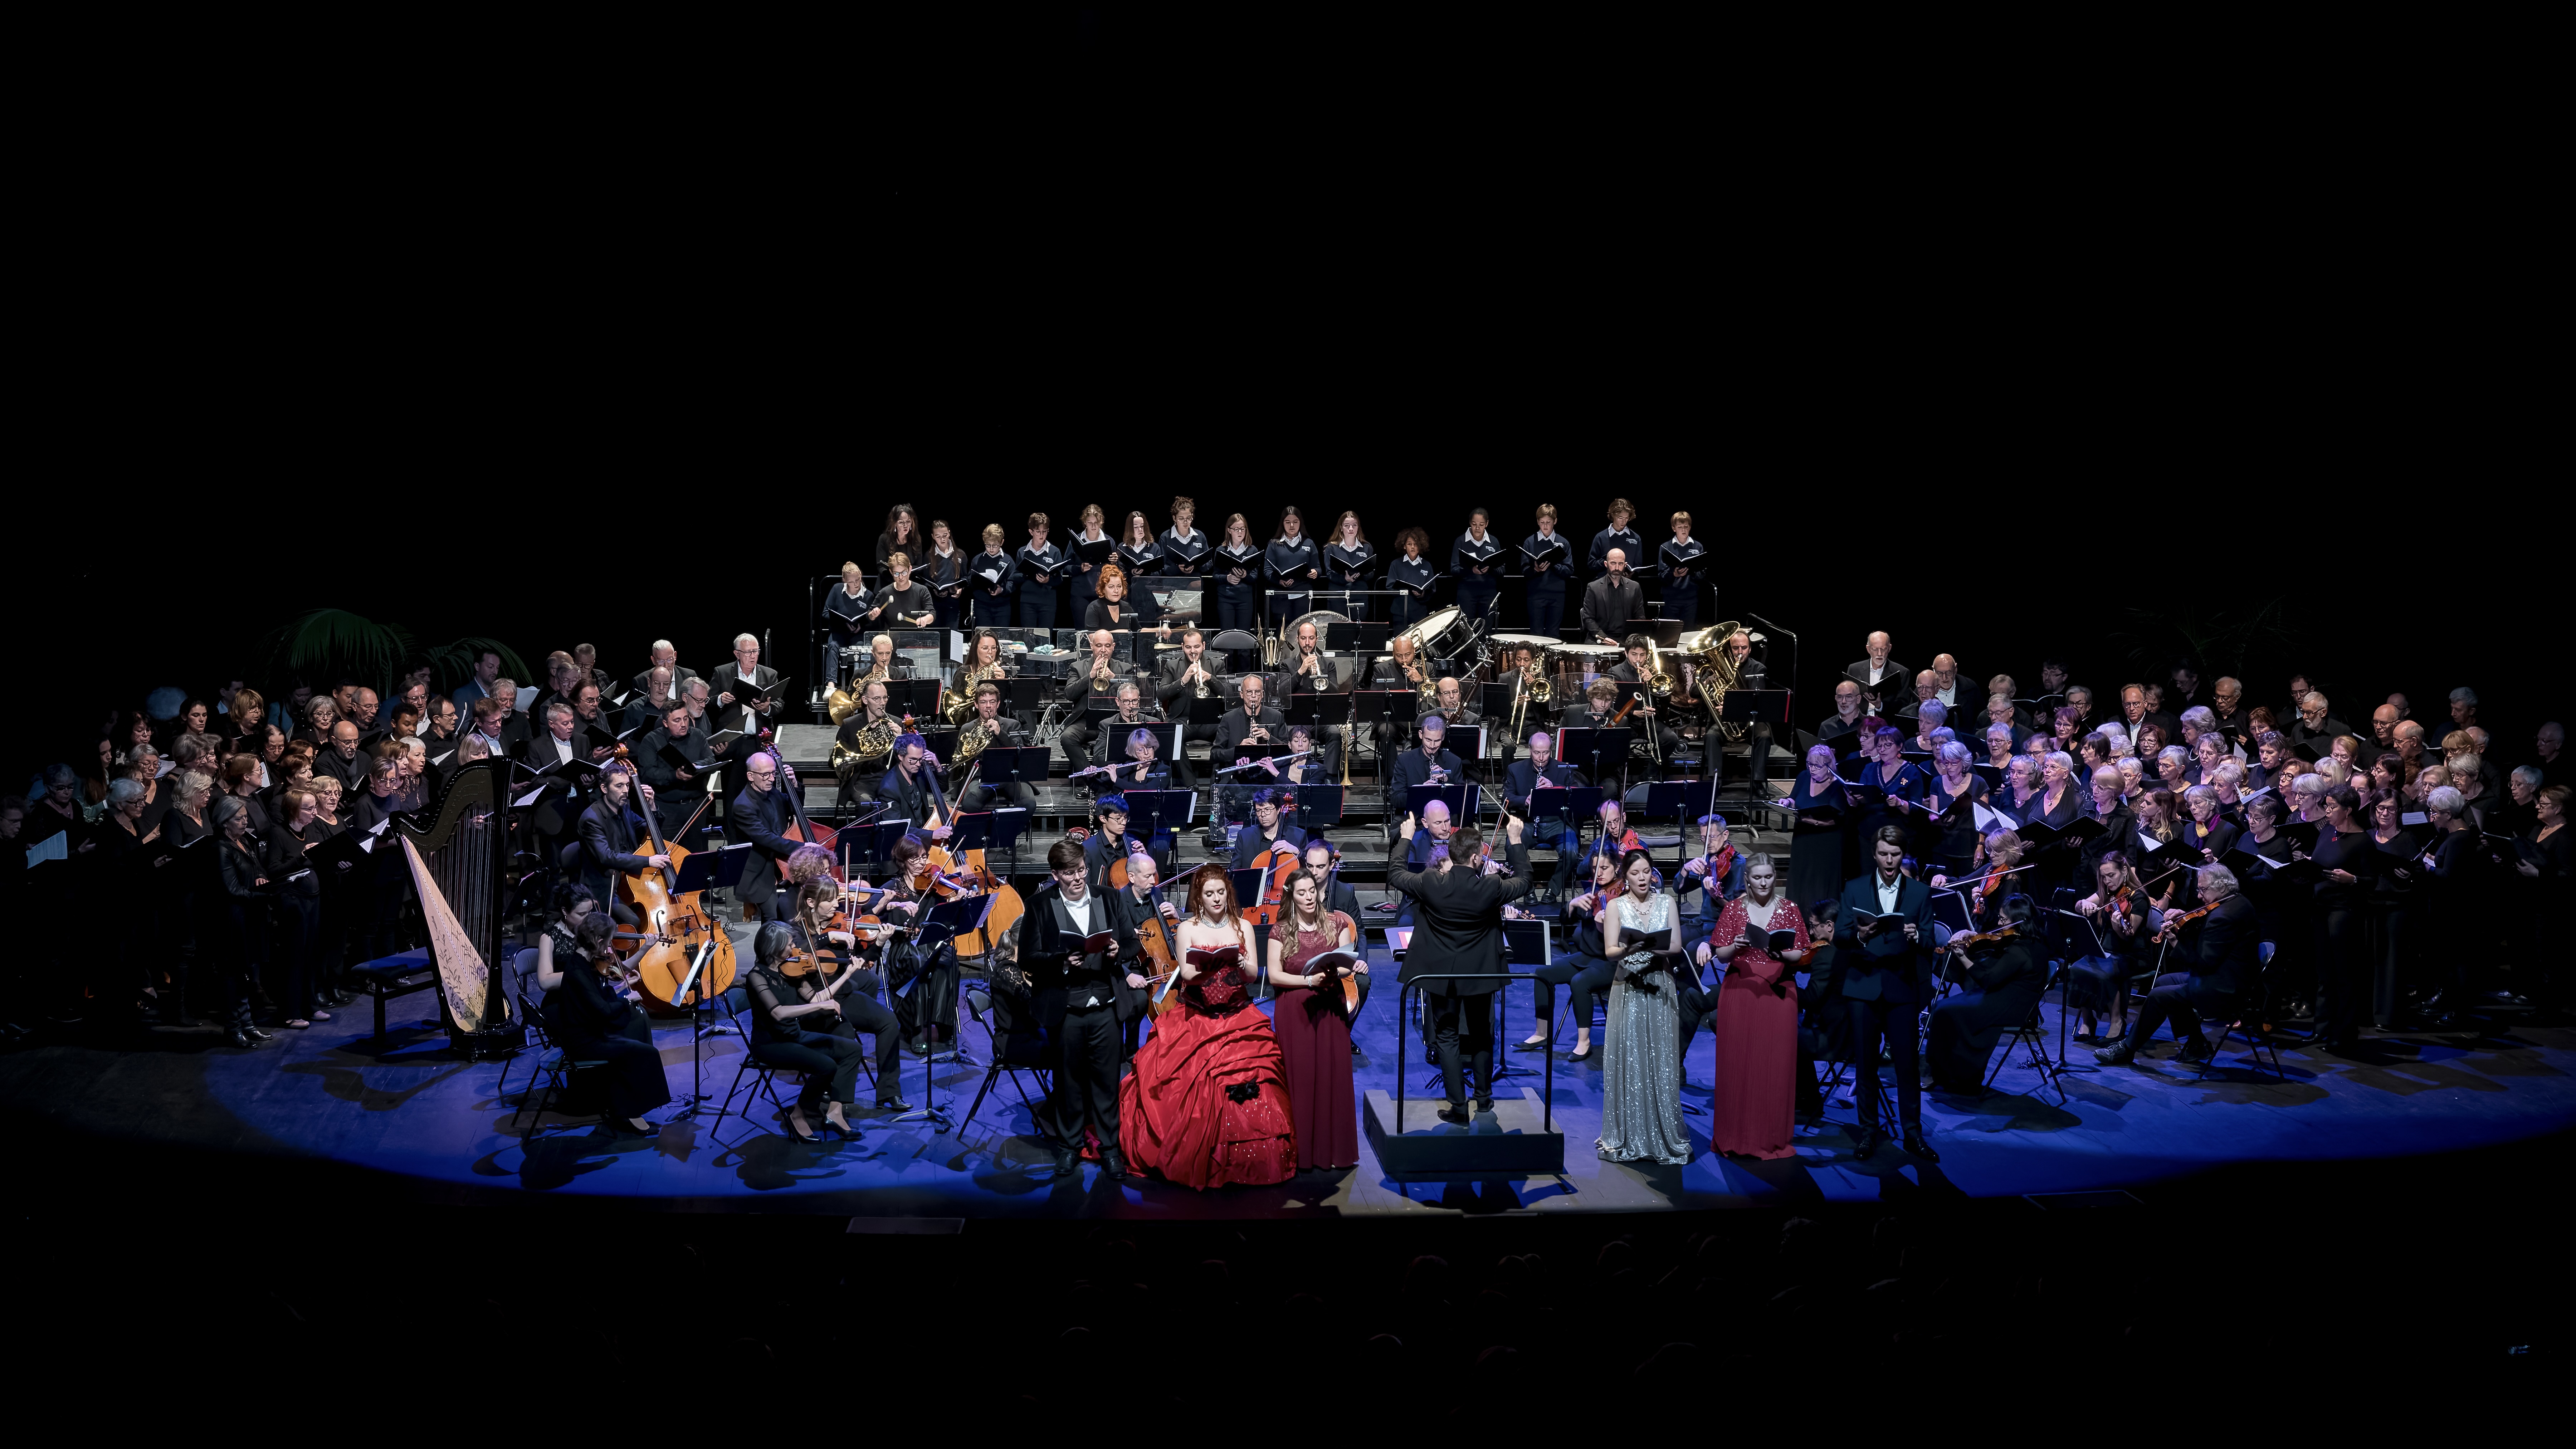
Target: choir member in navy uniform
{"type": "Point", "coordinates": [1619, 536]}
{"type": "Point", "coordinates": [1138, 553]}
{"type": "Point", "coordinates": [1237, 568]}
{"type": "Point", "coordinates": [940, 568]}
{"type": "Point", "coordinates": [1678, 588]}
{"type": "Point", "coordinates": [1040, 564]}
{"type": "Point", "coordinates": [1545, 582]}
{"type": "Point", "coordinates": [1411, 570]}
{"type": "Point", "coordinates": [992, 577]}
{"type": "Point", "coordinates": [1350, 565]}
{"type": "Point", "coordinates": [1474, 563]}
{"type": "Point", "coordinates": [1084, 577]}
{"type": "Point", "coordinates": [1183, 546]}
{"type": "Point", "coordinates": [1294, 566]}
{"type": "Point", "coordinates": [845, 620]}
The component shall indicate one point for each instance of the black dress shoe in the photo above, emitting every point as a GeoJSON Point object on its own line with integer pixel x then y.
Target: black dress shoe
{"type": "Point", "coordinates": [1529, 1046]}
{"type": "Point", "coordinates": [2117, 1056]}
{"type": "Point", "coordinates": [2194, 1049]}
{"type": "Point", "coordinates": [893, 1104]}
{"type": "Point", "coordinates": [1113, 1164]}
{"type": "Point", "coordinates": [1066, 1163]}
{"type": "Point", "coordinates": [1870, 1141]}
{"type": "Point", "coordinates": [1485, 1104]}
{"type": "Point", "coordinates": [1455, 1114]}
{"type": "Point", "coordinates": [242, 1039]}
{"type": "Point", "coordinates": [1916, 1146]}
{"type": "Point", "coordinates": [255, 1034]}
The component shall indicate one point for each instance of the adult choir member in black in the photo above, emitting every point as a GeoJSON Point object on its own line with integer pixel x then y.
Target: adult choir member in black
{"type": "Point", "coordinates": [1545, 572]}
{"type": "Point", "coordinates": [1294, 567]}
{"type": "Point", "coordinates": [1846, 718]}
{"type": "Point", "coordinates": [2349, 857]}
{"type": "Point", "coordinates": [610, 831]}
{"type": "Point", "coordinates": [1611, 600]}
{"type": "Point", "coordinates": [912, 790]}
{"type": "Point", "coordinates": [845, 619]}
{"type": "Point", "coordinates": [999, 729]}
{"type": "Point", "coordinates": [1635, 668]}
{"type": "Point", "coordinates": [1182, 677]}
{"type": "Point", "coordinates": [1124, 611]}
{"type": "Point", "coordinates": [2005, 979]}
{"type": "Point", "coordinates": [1475, 563]}
{"type": "Point", "coordinates": [1459, 933]}
{"type": "Point", "coordinates": [2218, 958]}
{"type": "Point", "coordinates": [1950, 800]}
{"type": "Point", "coordinates": [1076, 992]}
{"type": "Point", "coordinates": [761, 815]}
{"type": "Point", "coordinates": [594, 1018]}
{"type": "Point", "coordinates": [670, 758]}
{"type": "Point", "coordinates": [1523, 784]}
{"type": "Point", "coordinates": [1422, 767]}
{"type": "Point", "coordinates": [744, 712]}
{"type": "Point", "coordinates": [1099, 679]}
{"type": "Point", "coordinates": [1039, 565]}
{"type": "Point", "coordinates": [900, 602]}
{"type": "Point", "coordinates": [1890, 788]}
{"type": "Point", "coordinates": [1411, 574]}
{"type": "Point", "coordinates": [902, 534]}
{"type": "Point", "coordinates": [1882, 985]}
{"type": "Point", "coordinates": [1184, 547]}
{"type": "Point", "coordinates": [1312, 674]}
{"type": "Point", "coordinates": [806, 1028]}
{"type": "Point", "coordinates": [992, 578]}
{"type": "Point", "coordinates": [1678, 587]}
{"type": "Point", "coordinates": [1820, 843]}
{"type": "Point", "coordinates": [644, 708]}
{"type": "Point", "coordinates": [1883, 681]}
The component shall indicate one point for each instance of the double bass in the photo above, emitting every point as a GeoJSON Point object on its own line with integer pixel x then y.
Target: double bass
{"type": "Point", "coordinates": [675, 925]}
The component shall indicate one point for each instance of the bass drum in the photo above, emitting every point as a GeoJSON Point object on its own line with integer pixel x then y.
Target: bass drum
{"type": "Point", "coordinates": [1441, 634]}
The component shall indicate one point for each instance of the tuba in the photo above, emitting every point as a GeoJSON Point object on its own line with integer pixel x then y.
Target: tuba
{"type": "Point", "coordinates": [1716, 673]}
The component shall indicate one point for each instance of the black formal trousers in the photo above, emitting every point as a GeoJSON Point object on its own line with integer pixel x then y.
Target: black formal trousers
{"type": "Point", "coordinates": [1587, 977]}
{"type": "Point", "coordinates": [1085, 1054]}
{"type": "Point", "coordinates": [1462, 1036]}
{"type": "Point", "coordinates": [2343, 971]}
{"type": "Point", "coordinates": [830, 1061]}
{"type": "Point", "coordinates": [1899, 1022]}
{"type": "Point", "coordinates": [2178, 997]}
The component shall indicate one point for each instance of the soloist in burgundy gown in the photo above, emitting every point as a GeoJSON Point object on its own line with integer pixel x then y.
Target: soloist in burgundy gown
{"type": "Point", "coordinates": [1315, 1042]}
{"type": "Point", "coordinates": [1756, 1108]}
{"type": "Point", "coordinates": [1207, 1101]}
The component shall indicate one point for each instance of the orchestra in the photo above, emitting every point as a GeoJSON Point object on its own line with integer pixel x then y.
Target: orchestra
{"type": "Point", "coordinates": [2132, 842]}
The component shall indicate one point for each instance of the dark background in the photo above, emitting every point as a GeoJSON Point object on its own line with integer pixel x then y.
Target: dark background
{"type": "Point", "coordinates": [2363, 621]}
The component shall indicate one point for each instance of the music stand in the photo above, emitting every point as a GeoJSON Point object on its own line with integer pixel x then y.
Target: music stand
{"type": "Point", "coordinates": [916, 697]}
{"type": "Point", "coordinates": [1526, 944]}
{"type": "Point", "coordinates": [1756, 706]}
{"type": "Point", "coordinates": [1575, 741]}
{"type": "Point", "coordinates": [1021, 693]}
{"type": "Point", "coordinates": [2060, 912]}
{"type": "Point", "coordinates": [1318, 806]}
{"type": "Point", "coordinates": [1684, 800]}
{"type": "Point", "coordinates": [940, 924]}
{"type": "Point", "coordinates": [991, 830]}
{"type": "Point", "coordinates": [1150, 813]}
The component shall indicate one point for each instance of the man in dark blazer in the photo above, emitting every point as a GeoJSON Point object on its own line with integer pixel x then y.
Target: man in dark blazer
{"type": "Point", "coordinates": [1179, 674]}
{"type": "Point", "coordinates": [1461, 930]}
{"type": "Point", "coordinates": [733, 711]}
{"type": "Point", "coordinates": [611, 832]}
{"type": "Point", "coordinates": [760, 815]}
{"type": "Point", "coordinates": [1894, 680]}
{"type": "Point", "coordinates": [2218, 957]}
{"type": "Point", "coordinates": [1076, 997]}
{"type": "Point", "coordinates": [1884, 986]}
{"type": "Point", "coordinates": [677, 789]}
{"type": "Point", "coordinates": [1412, 769]}
{"type": "Point", "coordinates": [1613, 599]}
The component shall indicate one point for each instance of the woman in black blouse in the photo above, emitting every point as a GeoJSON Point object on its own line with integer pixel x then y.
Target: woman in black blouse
{"type": "Point", "coordinates": [2205, 827]}
{"type": "Point", "coordinates": [1820, 847]}
{"type": "Point", "coordinates": [902, 532]}
{"type": "Point", "coordinates": [2349, 858]}
{"type": "Point", "coordinates": [595, 1018]}
{"type": "Point", "coordinates": [299, 901]}
{"type": "Point", "coordinates": [1954, 793]}
{"type": "Point", "coordinates": [237, 918]}
{"type": "Point", "coordinates": [2395, 893]}
{"type": "Point", "coordinates": [2544, 893]}
{"type": "Point", "coordinates": [1114, 611]}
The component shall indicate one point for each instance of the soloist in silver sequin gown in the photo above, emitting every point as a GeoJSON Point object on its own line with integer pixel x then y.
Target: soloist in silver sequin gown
{"type": "Point", "coordinates": [1641, 1069]}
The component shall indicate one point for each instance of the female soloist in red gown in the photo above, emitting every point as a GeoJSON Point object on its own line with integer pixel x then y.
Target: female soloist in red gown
{"type": "Point", "coordinates": [1755, 1112]}
{"type": "Point", "coordinates": [1207, 1101]}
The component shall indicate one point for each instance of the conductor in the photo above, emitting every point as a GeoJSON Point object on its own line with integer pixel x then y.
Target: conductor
{"type": "Point", "coordinates": [1459, 916]}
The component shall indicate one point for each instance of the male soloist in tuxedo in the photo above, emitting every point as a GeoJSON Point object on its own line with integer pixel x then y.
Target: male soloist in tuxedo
{"type": "Point", "coordinates": [1884, 986]}
{"type": "Point", "coordinates": [1459, 916]}
{"type": "Point", "coordinates": [1076, 996]}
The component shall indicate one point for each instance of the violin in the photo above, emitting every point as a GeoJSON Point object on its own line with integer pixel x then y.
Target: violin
{"type": "Point", "coordinates": [2186, 918]}
{"type": "Point", "coordinates": [1984, 938]}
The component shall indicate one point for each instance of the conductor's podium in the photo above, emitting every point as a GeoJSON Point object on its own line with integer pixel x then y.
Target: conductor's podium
{"type": "Point", "coordinates": [1514, 1140]}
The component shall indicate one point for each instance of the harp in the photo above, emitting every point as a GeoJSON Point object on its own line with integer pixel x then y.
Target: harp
{"type": "Point", "coordinates": [460, 863]}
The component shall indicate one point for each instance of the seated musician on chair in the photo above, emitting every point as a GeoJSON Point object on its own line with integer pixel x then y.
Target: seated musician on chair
{"type": "Point", "coordinates": [2004, 981]}
{"type": "Point", "coordinates": [998, 729]}
{"type": "Point", "coordinates": [805, 1027]}
{"type": "Point", "coordinates": [2219, 956]}
{"type": "Point", "coordinates": [594, 1017]}
{"type": "Point", "coordinates": [610, 830]}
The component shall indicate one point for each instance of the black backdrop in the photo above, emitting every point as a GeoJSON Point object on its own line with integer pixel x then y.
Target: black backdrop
{"type": "Point", "coordinates": [84, 641]}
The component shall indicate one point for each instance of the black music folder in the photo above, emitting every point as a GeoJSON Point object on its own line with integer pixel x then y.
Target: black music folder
{"type": "Point", "coordinates": [1553, 551]}
{"type": "Point", "coordinates": [1039, 570]}
{"type": "Point", "coordinates": [1095, 554]}
{"type": "Point", "coordinates": [1697, 563]}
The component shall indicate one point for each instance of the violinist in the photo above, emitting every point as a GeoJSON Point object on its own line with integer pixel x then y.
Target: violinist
{"type": "Point", "coordinates": [1995, 879]}
{"type": "Point", "coordinates": [2006, 971]}
{"type": "Point", "coordinates": [925, 1000]}
{"type": "Point", "coordinates": [809, 1021]}
{"type": "Point", "coordinates": [2216, 947]}
{"type": "Point", "coordinates": [594, 1016]}
{"type": "Point", "coordinates": [1582, 968]}
{"type": "Point", "coordinates": [1713, 871]}
{"type": "Point", "coordinates": [610, 830]}
{"type": "Point", "coordinates": [2098, 983]}
{"type": "Point", "coordinates": [912, 789]}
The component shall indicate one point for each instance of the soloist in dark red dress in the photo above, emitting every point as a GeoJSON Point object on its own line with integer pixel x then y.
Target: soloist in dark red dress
{"type": "Point", "coordinates": [1756, 1110]}
{"type": "Point", "coordinates": [1207, 1101]}
{"type": "Point", "coordinates": [1315, 1042]}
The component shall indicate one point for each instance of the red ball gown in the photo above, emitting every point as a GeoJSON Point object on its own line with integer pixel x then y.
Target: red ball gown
{"type": "Point", "coordinates": [1755, 1113]}
{"type": "Point", "coordinates": [1207, 1101]}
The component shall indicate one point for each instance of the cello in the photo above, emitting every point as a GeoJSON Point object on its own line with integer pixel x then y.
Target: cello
{"type": "Point", "coordinates": [1276, 862]}
{"type": "Point", "coordinates": [802, 830]}
{"type": "Point", "coordinates": [675, 926]}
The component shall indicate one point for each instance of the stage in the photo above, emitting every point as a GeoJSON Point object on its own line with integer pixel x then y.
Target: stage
{"type": "Point", "coordinates": [428, 1121]}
